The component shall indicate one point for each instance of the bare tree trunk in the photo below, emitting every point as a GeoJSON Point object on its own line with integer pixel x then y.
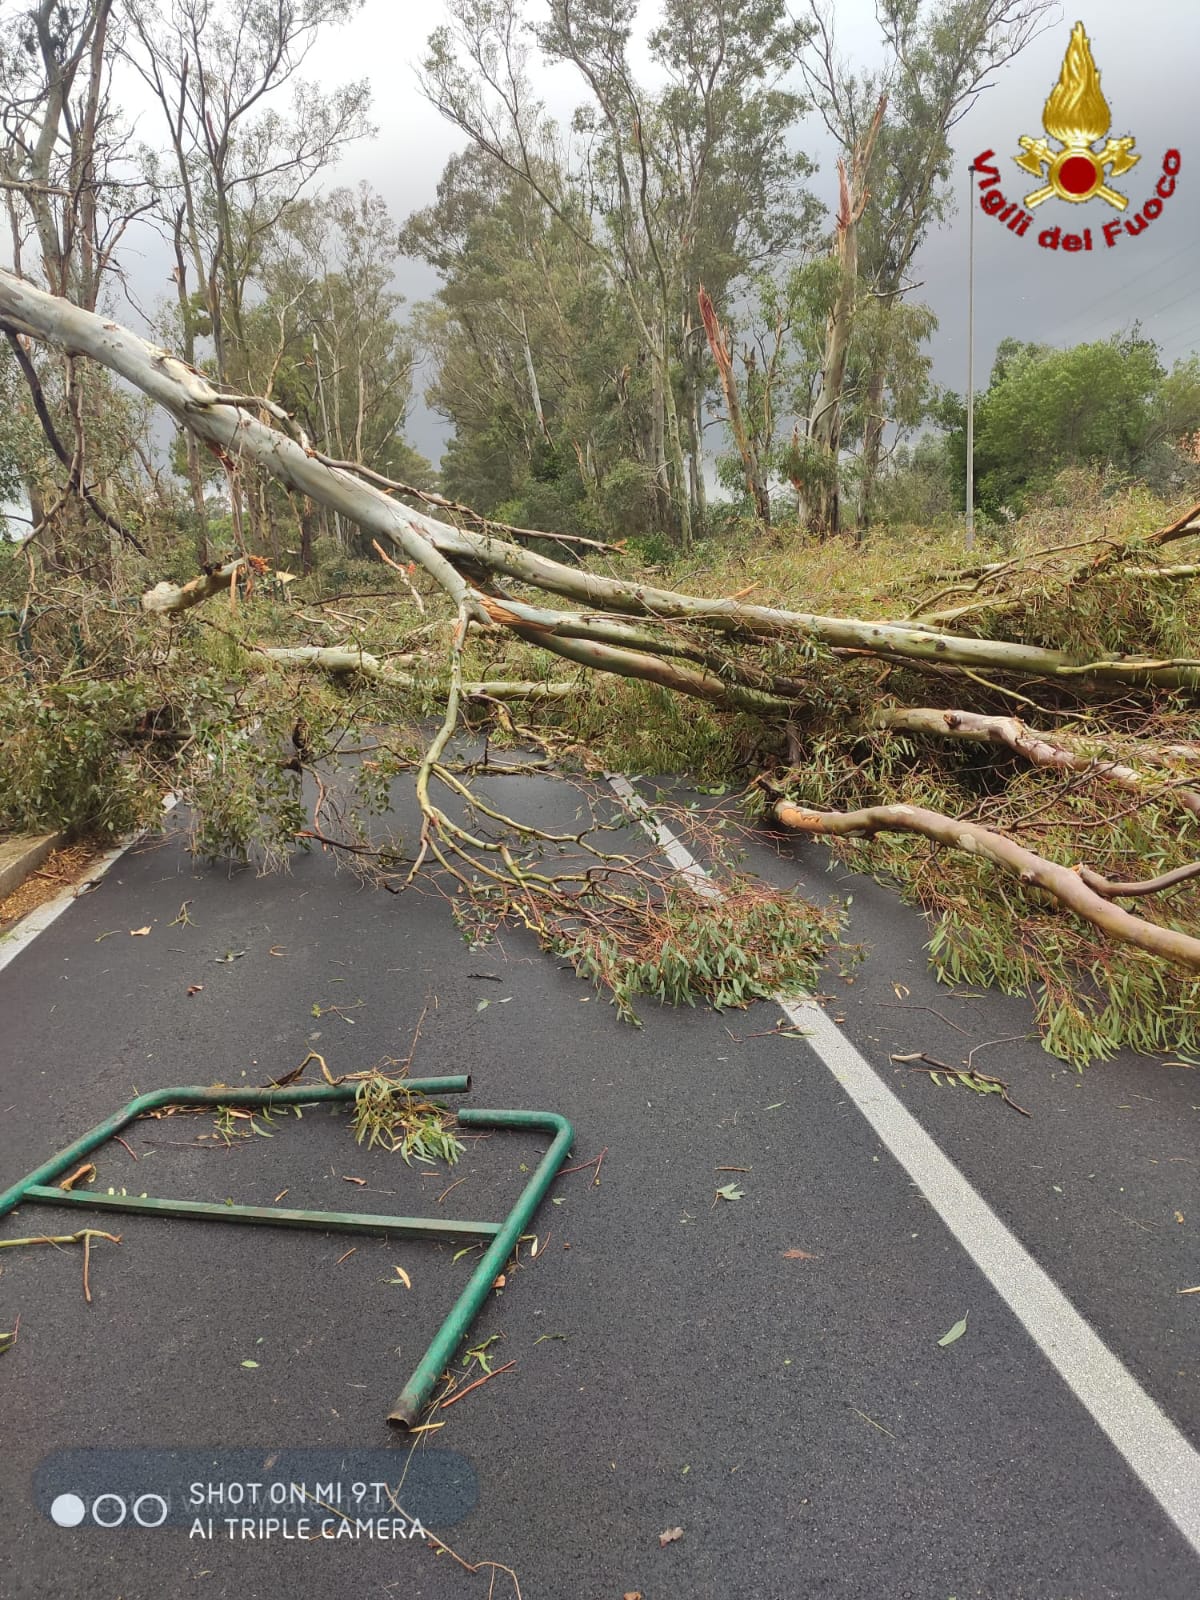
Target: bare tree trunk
{"type": "Point", "coordinates": [825, 427]}
{"type": "Point", "coordinates": [192, 444]}
{"type": "Point", "coordinates": [752, 466]}
{"type": "Point", "coordinates": [871, 451]}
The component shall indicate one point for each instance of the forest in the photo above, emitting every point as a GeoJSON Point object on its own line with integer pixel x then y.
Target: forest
{"type": "Point", "coordinates": [699, 515]}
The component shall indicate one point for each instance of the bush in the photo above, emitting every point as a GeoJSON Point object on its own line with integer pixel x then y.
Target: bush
{"type": "Point", "coordinates": [65, 762]}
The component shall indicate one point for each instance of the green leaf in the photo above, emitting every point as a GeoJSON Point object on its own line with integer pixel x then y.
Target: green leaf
{"type": "Point", "coordinates": [249, 1363]}
{"type": "Point", "coordinates": [731, 1191]}
{"type": "Point", "coordinates": [956, 1332]}
{"type": "Point", "coordinates": [483, 1005]}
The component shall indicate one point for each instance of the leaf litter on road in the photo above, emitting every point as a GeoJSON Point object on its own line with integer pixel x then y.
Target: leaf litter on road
{"type": "Point", "coordinates": [956, 1332]}
{"type": "Point", "coordinates": [981, 1082]}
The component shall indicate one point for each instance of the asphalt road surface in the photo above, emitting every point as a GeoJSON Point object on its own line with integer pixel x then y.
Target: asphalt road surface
{"type": "Point", "coordinates": [764, 1374]}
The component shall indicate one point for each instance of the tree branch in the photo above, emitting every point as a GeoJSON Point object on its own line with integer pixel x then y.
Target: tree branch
{"type": "Point", "coordinates": [1064, 883]}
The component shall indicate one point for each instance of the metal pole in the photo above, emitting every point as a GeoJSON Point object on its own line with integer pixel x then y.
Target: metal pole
{"type": "Point", "coordinates": [971, 367]}
{"type": "Point", "coordinates": [479, 1285]}
{"type": "Point", "coordinates": [196, 1095]}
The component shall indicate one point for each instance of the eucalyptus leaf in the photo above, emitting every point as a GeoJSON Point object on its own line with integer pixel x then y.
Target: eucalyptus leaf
{"type": "Point", "coordinates": [956, 1332]}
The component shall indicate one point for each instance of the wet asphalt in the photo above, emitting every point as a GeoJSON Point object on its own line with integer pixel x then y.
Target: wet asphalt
{"type": "Point", "coordinates": [763, 1374]}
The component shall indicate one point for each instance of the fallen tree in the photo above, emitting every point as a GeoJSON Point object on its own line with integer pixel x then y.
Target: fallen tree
{"type": "Point", "coordinates": [1034, 871]}
{"type": "Point", "coordinates": [831, 697]}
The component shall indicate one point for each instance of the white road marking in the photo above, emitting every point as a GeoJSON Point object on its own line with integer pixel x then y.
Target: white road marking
{"type": "Point", "coordinates": [27, 930]}
{"type": "Point", "coordinates": [1165, 1462]}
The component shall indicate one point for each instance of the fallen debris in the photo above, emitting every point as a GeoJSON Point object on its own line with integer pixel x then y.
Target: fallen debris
{"type": "Point", "coordinates": [956, 1332]}
{"type": "Point", "coordinates": [981, 1082]}
{"type": "Point", "coordinates": [461, 1394]}
{"type": "Point", "coordinates": [84, 1237]}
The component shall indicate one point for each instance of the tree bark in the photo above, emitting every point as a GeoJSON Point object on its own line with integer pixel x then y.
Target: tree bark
{"type": "Point", "coordinates": [1064, 883]}
{"type": "Point", "coordinates": [825, 428]}
{"type": "Point", "coordinates": [1040, 749]}
{"type": "Point", "coordinates": [441, 550]}
{"type": "Point", "coordinates": [752, 467]}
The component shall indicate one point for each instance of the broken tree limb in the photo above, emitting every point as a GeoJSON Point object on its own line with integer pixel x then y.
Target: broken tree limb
{"type": "Point", "coordinates": [538, 624]}
{"type": "Point", "coordinates": [1109, 562]}
{"type": "Point", "coordinates": [1039, 749]}
{"type": "Point", "coordinates": [167, 598]}
{"type": "Point", "coordinates": [196, 405]}
{"type": "Point", "coordinates": [331, 658]}
{"type": "Point", "coordinates": [734, 618]}
{"type": "Point", "coordinates": [1064, 883]}
{"type": "Point", "coordinates": [441, 550]}
{"type": "Point", "coordinates": [671, 675]}
{"type": "Point", "coordinates": [1123, 891]}
{"type": "Point", "coordinates": [718, 343]}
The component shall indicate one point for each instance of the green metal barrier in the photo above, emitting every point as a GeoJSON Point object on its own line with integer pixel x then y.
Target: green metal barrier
{"type": "Point", "coordinates": [503, 1236]}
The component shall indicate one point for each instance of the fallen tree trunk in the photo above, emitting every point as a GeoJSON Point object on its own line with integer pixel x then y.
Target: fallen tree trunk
{"type": "Point", "coordinates": [736, 619]}
{"type": "Point", "coordinates": [228, 423]}
{"type": "Point", "coordinates": [1040, 749]}
{"type": "Point", "coordinates": [330, 658]}
{"type": "Point", "coordinates": [1034, 871]}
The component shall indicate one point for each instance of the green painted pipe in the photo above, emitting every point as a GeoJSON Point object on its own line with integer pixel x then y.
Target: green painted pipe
{"type": "Point", "coordinates": [277, 1216]}
{"type": "Point", "coordinates": [504, 1236]}
{"type": "Point", "coordinates": [465, 1309]}
{"type": "Point", "coordinates": [193, 1095]}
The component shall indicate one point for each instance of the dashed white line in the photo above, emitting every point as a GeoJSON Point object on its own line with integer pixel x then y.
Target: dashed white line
{"type": "Point", "coordinates": [1165, 1462]}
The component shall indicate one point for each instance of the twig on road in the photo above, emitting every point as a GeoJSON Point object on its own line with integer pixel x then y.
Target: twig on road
{"type": "Point", "coordinates": [918, 1058]}
{"type": "Point", "coordinates": [487, 1378]}
{"type": "Point", "coordinates": [596, 1161]}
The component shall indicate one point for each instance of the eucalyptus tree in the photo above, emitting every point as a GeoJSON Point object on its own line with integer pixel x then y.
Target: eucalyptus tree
{"type": "Point", "coordinates": [69, 194]}
{"type": "Point", "coordinates": [692, 180]}
{"type": "Point", "coordinates": [939, 55]}
{"type": "Point", "coordinates": [534, 360]}
{"type": "Point", "coordinates": [327, 342]}
{"type": "Point", "coordinates": [245, 134]}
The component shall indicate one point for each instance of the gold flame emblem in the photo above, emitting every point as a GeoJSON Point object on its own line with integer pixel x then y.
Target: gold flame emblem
{"type": "Point", "coordinates": [1077, 117]}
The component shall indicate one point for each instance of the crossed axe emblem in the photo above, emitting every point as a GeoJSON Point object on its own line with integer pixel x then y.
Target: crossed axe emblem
{"type": "Point", "coordinates": [1116, 158]}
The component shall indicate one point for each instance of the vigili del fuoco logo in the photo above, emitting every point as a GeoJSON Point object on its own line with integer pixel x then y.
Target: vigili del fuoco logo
{"type": "Point", "coordinates": [1076, 118]}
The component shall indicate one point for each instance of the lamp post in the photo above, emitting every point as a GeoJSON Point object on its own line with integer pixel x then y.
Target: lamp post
{"type": "Point", "coordinates": [971, 367]}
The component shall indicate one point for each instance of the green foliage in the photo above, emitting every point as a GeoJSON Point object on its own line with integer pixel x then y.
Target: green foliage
{"type": "Point", "coordinates": [66, 760]}
{"type": "Point", "coordinates": [389, 1114]}
{"type": "Point", "coordinates": [1108, 406]}
{"type": "Point", "coordinates": [918, 489]}
{"type": "Point", "coordinates": [752, 944]}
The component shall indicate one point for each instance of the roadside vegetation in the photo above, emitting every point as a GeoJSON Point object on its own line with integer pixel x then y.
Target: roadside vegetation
{"type": "Point", "coordinates": [276, 609]}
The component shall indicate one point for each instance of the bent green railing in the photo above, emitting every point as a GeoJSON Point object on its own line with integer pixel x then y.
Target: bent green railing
{"type": "Point", "coordinates": [503, 1236]}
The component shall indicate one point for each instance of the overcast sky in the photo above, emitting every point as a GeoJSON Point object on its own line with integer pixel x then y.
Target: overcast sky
{"type": "Point", "coordinates": [1147, 55]}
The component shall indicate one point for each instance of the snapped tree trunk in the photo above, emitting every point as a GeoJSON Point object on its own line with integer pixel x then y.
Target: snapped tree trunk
{"type": "Point", "coordinates": [825, 425]}
{"type": "Point", "coordinates": [752, 466]}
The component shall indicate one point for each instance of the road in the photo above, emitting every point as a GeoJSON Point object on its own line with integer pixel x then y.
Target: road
{"type": "Point", "coordinates": [764, 1374]}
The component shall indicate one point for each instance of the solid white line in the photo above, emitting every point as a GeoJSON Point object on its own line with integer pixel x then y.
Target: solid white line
{"type": "Point", "coordinates": [1166, 1463]}
{"type": "Point", "coordinates": [38, 920]}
